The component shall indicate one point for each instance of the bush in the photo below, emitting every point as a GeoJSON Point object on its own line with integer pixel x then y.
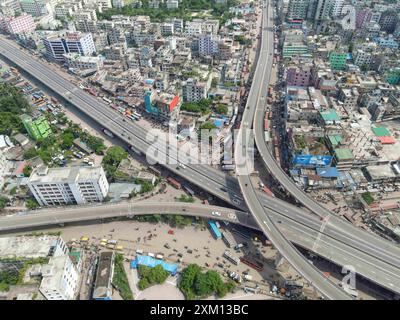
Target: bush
{"type": "Point", "coordinates": [3, 202]}
{"type": "Point", "coordinates": [120, 279]}
{"type": "Point", "coordinates": [194, 283]}
{"type": "Point", "coordinates": [368, 198]}
{"type": "Point", "coordinates": [31, 204]}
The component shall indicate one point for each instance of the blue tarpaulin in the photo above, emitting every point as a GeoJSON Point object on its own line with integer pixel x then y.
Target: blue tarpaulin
{"type": "Point", "coordinates": [152, 262]}
{"type": "Point", "coordinates": [309, 160]}
{"type": "Point", "coordinates": [218, 123]}
{"type": "Point", "coordinates": [328, 172]}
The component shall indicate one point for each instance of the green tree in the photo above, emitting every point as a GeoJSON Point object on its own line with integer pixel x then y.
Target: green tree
{"type": "Point", "coordinates": [67, 140]}
{"type": "Point", "coordinates": [221, 109]}
{"type": "Point", "coordinates": [27, 171]}
{"type": "Point", "coordinates": [31, 204]}
{"type": "Point", "coordinates": [208, 126]}
{"type": "Point", "coordinates": [30, 153]}
{"type": "Point", "coordinates": [3, 202]}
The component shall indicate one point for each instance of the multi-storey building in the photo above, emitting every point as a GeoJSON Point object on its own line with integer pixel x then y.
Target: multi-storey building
{"type": "Point", "coordinates": [194, 90]}
{"type": "Point", "coordinates": [36, 8]}
{"type": "Point", "coordinates": [299, 76]}
{"type": "Point", "coordinates": [76, 61]}
{"type": "Point", "coordinates": [17, 25]}
{"type": "Point", "coordinates": [337, 7]}
{"type": "Point", "coordinates": [208, 45]}
{"type": "Point", "coordinates": [163, 106]}
{"type": "Point", "coordinates": [172, 4]}
{"type": "Point", "coordinates": [388, 21]}
{"type": "Point", "coordinates": [338, 60]}
{"type": "Point", "coordinates": [323, 10]}
{"type": "Point", "coordinates": [59, 279]}
{"type": "Point", "coordinates": [9, 7]}
{"type": "Point", "coordinates": [68, 185]}
{"type": "Point", "coordinates": [297, 9]}
{"type": "Point", "coordinates": [75, 42]}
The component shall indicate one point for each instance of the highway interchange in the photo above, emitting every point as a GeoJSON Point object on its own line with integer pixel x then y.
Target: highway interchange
{"type": "Point", "coordinates": [243, 160]}
{"type": "Point", "coordinates": [213, 180]}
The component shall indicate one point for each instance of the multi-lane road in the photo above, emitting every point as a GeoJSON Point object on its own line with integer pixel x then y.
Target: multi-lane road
{"type": "Point", "coordinates": [297, 233]}
{"type": "Point", "coordinates": [204, 176]}
{"type": "Point", "coordinates": [244, 161]}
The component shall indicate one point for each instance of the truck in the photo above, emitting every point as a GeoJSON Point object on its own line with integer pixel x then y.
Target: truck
{"type": "Point", "coordinates": [107, 100]}
{"type": "Point", "coordinates": [247, 277]}
{"type": "Point", "coordinates": [108, 133]}
{"type": "Point", "coordinates": [238, 246]}
{"type": "Point", "coordinates": [214, 229]}
{"type": "Point", "coordinates": [188, 190]}
{"type": "Point", "coordinates": [174, 183]}
{"type": "Point", "coordinates": [231, 257]}
{"type": "Point", "coordinates": [159, 256]}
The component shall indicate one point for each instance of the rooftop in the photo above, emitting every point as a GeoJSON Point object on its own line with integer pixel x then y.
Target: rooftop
{"type": "Point", "coordinates": [29, 247]}
{"type": "Point", "coordinates": [65, 174]}
{"type": "Point", "coordinates": [344, 154]}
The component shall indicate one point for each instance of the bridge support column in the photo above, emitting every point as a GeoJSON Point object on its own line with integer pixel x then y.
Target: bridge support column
{"type": "Point", "coordinates": [279, 260]}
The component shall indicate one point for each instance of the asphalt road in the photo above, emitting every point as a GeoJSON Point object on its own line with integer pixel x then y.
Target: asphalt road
{"type": "Point", "coordinates": [298, 233]}
{"type": "Point", "coordinates": [243, 162]}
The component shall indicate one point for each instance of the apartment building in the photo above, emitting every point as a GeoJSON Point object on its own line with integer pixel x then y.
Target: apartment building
{"type": "Point", "coordinates": [17, 25]}
{"type": "Point", "coordinates": [76, 61]}
{"type": "Point", "coordinates": [68, 185]}
{"type": "Point", "coordinates": [299, 76]}
{"type": "Point", "coordinates": [75, 42]}
{"type": "Point", "coordinates": [297, 9]}
{"type": "Point", "coordinates": [36, 8]}
{"type": "Point", "coordinates": [194, 90]}
{"type": "Point", "coordinates": [208, 45]}
{"type": "Point", "coordinates": [59, 279]}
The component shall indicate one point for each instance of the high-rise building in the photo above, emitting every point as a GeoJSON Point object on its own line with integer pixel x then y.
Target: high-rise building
{"type": "Point", "coordinates": [323, 10]}
{"type": "Point", "coordinates": [71, 42]}
{"type": "Point", "coordinates": [68, 185]}
{"type": "Point", "coordinates": [337, 7]}
{"type": "Point", "coordinates": [388, 21]}
{"type": "Point", "coordinates": [297, 9]}
{"type": "Point", "coordinates": [38, 128]}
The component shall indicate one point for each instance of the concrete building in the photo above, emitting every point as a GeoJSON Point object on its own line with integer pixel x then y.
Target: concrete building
{"type": "Point", "coordinates": [17, 25]}
{"type": "Point", "coordinates": [9, 7]}
{"type": "Point", "coordinates": [32, 247]}
{"type": "Point", "coordinates": [208, 45]}
{"type": "Point", "coordinates": [337, 7]}
{"type": "Point", "coordinates": [36, 8]}
{"type": "Point", "coordinates": [338, 60]}
{"type": "Point", "coordinates": [118, 3]}
{"type": "Point", "coordinates": [68, 185]}
{"type": "Point", "coordinates": [388, 21]}
{"type": "Point", "coordinates": [59, 279]}
{"type": "Point", "coordinates": [72, 42]}
{"type": "Point", "coordinates": [349, 97]}
{"type": "Point", "coordinates": [172, 4]}
{"type": "Point", "coordinates": [299, 76]}
{"type": "Point", "coordinates": [105, 271]}
{"type": "Point", "coordinates": [76, 61]}
{"type": "Point", "coordinates": [163, 107]}
{"type": "Point", "coordinates": [297, 9]}
{"type": "Point", "coordinates": [194, 90]}
{"type": "Point", "coordinates": [323, 10]}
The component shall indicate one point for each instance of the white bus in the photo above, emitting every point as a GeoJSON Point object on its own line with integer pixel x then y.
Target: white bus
{"type": "Point", "coordinates": [107, 100]}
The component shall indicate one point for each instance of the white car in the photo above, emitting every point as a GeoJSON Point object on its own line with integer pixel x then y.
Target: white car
{"type": "Point", "coordinates": [216, 213]}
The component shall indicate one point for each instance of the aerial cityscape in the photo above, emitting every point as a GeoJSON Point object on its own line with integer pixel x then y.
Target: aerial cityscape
{"type": "Point", "coordinates": [203, 150]}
